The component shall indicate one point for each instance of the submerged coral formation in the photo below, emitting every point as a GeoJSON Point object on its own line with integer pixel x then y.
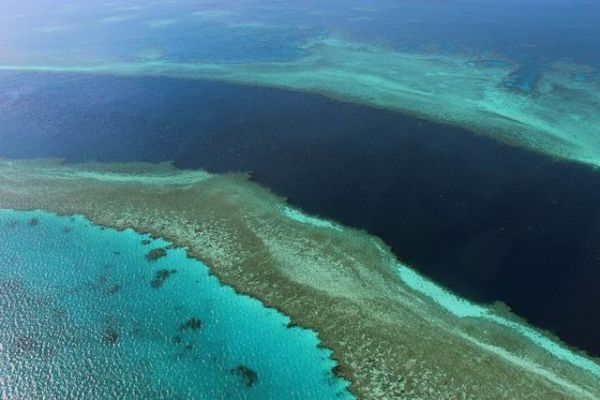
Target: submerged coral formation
{"type": "Point", "coordinates": [394, 333]}
{"type": "Point", "coordinates": [490, 97]}
{"type": "Point", "coordinates": [160, 277]}
{"type": "Point", "coordinates": [192, 323]}
{"type": "Point", "coordinates": [248, 376]}
{"type": "Point", "coordinates": [155, 254]}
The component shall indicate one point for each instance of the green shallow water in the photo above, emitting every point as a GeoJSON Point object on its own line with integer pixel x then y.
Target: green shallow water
{"type": "Point", "coordinates": [88, 314]}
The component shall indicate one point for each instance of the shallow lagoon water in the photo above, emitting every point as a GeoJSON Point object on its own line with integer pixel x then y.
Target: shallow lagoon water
{"type": "Point", "coordinates": [87, 314]}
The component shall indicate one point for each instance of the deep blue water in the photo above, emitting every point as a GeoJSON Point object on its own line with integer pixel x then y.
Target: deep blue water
{"type": "Point", "coordinates": [86, 315]}
{"type": "Point", "coordinates": [489, 221]}
{"type": "Point", "coordinates": [533, 34]}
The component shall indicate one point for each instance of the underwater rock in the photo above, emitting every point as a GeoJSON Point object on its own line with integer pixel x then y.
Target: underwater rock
{"type": "Point", "coordinates": [192, 323]}
{"type": "Point", "coordinates": [338, 371]}
{"type": "Point", "coordinates": [146, 241]}
{"type": "Point", "coordinates": [110, 336]}
{"type": "Point", "coordinates": [24, 343]}
{"type": "Point", "coordinates": [155, 254]}
{"type": "Point", "coordinates": [291, 325]}
{"type": "Point", "coordinates": [248, 376]}
{"type": "Point", "coordinates": [113, 289]}
{"type": "Point", "coordinates": [33, 221]}
{"type": "Point", "coordinates": [160, 277]}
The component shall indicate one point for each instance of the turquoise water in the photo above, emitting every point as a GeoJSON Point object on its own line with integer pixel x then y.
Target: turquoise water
{"type": "Point", "coordinates": [86, 313]}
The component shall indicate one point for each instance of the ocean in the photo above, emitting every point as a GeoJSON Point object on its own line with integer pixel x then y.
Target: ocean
{"type": "Point", "coordinates": [490, 221]}
{"type": "Point", "coordinates": [462, 133]}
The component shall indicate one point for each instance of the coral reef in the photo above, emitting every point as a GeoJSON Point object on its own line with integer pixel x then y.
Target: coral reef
{"type": "Point", "coordinates": [155, 254]}
{"type": "Point", "coordinates": [160, 277]}
{"type": "Point", "coordinates": [393, 333]}
{"type": "Point", "coordinates": [247, 375]}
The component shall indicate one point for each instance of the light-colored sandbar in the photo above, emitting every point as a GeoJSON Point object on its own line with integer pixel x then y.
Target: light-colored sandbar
{"type": "Point", "coordinates": [560, 119]}
{"type": "Point", "coordinates": [394, 333]}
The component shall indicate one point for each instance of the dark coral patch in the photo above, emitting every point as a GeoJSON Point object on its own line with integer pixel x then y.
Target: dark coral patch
{"type": "Point", "coordinates": [192, 323]}
{"type": "Point", "coordinates": [155, 254]}
{"type": "Point", "coordinates": [33, 221]}
{"type": "Point", "coordinates": [24, 344]}
{"type": "Point", "coordinates": [160, 277]}
{"type": "Point", "coordinates": [110, 336]}
{"type": "Point", "coordinates": [248, 376]}
{"type": "Point", "coordinates": [338, 371]}
{"type": "Point", "coordinates": [114, 289]}
{"type": "Point", "coordinates": [146, 241]}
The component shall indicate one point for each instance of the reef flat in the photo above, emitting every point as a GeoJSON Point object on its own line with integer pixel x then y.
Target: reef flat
{"type": "Point", "coordinates": [559, 117]}
{"type": "Point", "coordinates": [394, 333]}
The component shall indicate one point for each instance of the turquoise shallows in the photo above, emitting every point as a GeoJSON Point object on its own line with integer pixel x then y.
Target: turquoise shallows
{"type": "Point", "coordinates": [87, 314]}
